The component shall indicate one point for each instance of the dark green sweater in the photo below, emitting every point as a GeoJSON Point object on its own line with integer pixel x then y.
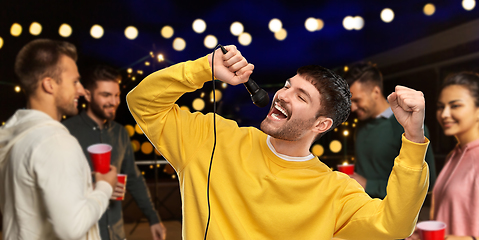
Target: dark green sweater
{"type": "Point", "coordinates": [378, 142]}
{"type": "Point", "coordinates": [122, 157]}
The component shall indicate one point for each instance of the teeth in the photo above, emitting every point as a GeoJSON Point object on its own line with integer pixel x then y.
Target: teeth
{"type": "Point", "coordinates": [275, 116]}
{"type": "Point", "coordinates": [276, 105]}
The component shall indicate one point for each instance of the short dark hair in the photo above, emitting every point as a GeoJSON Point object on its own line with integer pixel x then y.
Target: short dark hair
{"type": "Point", "coordinates": [365, 73]}
{"type": "Point", "coordinates": [100, 73]}
{"type": "Point", "coordinates": [39, 59]}
{"type": "Point", "coordinates": [334, 90]}
{"type": "Point", "coordinates": [470, 80]}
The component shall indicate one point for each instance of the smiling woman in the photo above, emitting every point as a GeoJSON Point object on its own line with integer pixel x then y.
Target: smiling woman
{"type": "Point", "coordinates": [457, 186]}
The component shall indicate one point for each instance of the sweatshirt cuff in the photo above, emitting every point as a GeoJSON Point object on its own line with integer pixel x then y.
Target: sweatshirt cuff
{"type": "Point", "coordinates": [412, 154]}
{"type": "Point", "coordinates": [104, 187]}
{"type": "Point", "coordinates": [198, 72]}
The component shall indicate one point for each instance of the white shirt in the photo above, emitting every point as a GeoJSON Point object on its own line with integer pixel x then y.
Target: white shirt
{"type": "Point", "coordinates": [46, 190]}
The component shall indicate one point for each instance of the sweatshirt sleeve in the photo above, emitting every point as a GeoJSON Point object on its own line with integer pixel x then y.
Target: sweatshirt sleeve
{"type": "Point", "coordinates": [394, 217]}
{"type": "Point", "coordinates": [64, 182]}
{"type": "Point", "coordinates": [175, 133]}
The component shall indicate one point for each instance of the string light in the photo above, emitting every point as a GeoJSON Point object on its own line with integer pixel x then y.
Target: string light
{"type": "Point", "coordinates": [317, 150]}
{"type": "Point", "coordinates": [281, 34]}
{"type": "Point", "coordinates": [130, 129]}
{"type": "Point", "coordinates": [131, 32]}
{"type": "Point", "coordinates": [348, 23]}
{"type": "Point", "coordinates": [179, 44]}
{"type": "Point", "coordinates": [245, 39]}
{"type": "Point", "coordinates": [387, 15]}
{"type": "Point", "coordinates": [210, 41]}
{"type": "Point", "coordinates": [198, 104]}
{"type": "Point", "coordinates": [147, 63]}
{"type": "Point", "coordinates": [17, 89]}
{"type": "Point", "coordinates": [16, 30]}
{"type": "Point", "coordinates": [468, 4]}
{"type": "Point", "coordinates": [96, 31]}
{"type": "Point", "coordinates": [129, 70]}
{"type": "Point", "coordinates": [161, 58]}
{"type": "Point", "coordinates": [275, 25]}
{"type": "Point", "coordinates": [167, 32]}
{"type": "Point", "coordinates": [311, 24]}
{"type": "Point", "coordinates": [65, 30]}
{"type": "Point", "coordinates": [1, 42]}
{"type": "Point", "coordinates": [429, 9]}
{"type": "Point", "coordinates": [236, 28]}
{"type": "Point", "coordinates": [320, 24]}
{"type": "Point", "coordinates": [335, 146]}
{"type": "Point", "coordinates": [199, 26]}
{"type": "Point", "coordinates": [35, 28]}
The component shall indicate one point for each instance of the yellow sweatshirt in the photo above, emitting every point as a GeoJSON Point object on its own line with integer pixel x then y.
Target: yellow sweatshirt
{"type": "Point", "coordinates": [256, 194]}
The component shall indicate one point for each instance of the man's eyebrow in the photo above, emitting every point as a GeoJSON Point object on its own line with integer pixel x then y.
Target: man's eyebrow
{"type": "Point", "coordinates": [305, 93]}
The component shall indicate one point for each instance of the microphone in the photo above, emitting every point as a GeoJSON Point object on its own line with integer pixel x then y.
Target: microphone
{"type": "Point", "coordinates": [258, 95]}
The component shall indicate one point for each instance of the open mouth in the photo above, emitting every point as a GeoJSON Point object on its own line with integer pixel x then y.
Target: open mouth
{"type": "Point", "coordinates": [278, 112]}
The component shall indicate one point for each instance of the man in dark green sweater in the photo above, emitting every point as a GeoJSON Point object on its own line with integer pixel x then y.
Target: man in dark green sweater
{"type": "Point", "coordinates": [378, 136]}
{"type": "Point", "coordinates": [97, 125]}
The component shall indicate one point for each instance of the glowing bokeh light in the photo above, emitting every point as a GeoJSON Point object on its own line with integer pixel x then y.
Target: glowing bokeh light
{"type": "Point", "coordinates": [218, 95]}
{"type": "Point", "coordinates": [161, 58]}
{"type": "Point", "coordinates": [1, 42]}
{"type": "Point", "coordinates": [167, 32]}
{"type": "Point", "coordinates": [358, 23]}
{"type": "Point", "coordinates": [275, 25]}
{"type": "Point", "coordinates": [311, 24]}
{"type": "Point", "coordinates": [130, 129]}
{"type": "Point", "coordinates": [16, 30]}
{"type": "Point", "coordinates": [468, 4]}
{"type": "Point", "coordinates": [138, 129]}
{"type": "Point", "coordinates": [65, 30]}
{"type": "Point", "coordinates": [210, 41]}
{"type": "Point", "coordinates": [335, 146]}
{"type": "Point", "coordinates": [348, 23]}
{"type": "Point", "coordinates": [135, 144]}
{"type": "Point", "coordinates": [387, 15]}
{"type": "Point", "coordinates": [429, 9]}
{"type": "Point", "coordinates": [281, 34]}
{"type": "Point", "coordinates": [346, 133]}
{"type": "Point", "coordinates": [317, 150]}
{"type": "Point", "coordinates": [17, 89]}
{"type": "Point", "coordinates": [146, 148]}
{"type": "Point", "coordinates": [199, 26]}
{"type": "Point", "coordinates": [96, 31]}
{"type": "Point", "coordinates": [236, 28]}
{"type": "Point", "coordinates": [179, 44]}
{"type": "Point", "coordinates": [198, 104]}
{"type": "Point", "coordinates": [320, 24]}
{"type": "Point", "coordinates": [131, 32]}
{"type": "Point", "coordinates": [245, 39]}
{"type": "Point", "coordinates": [35, 28]}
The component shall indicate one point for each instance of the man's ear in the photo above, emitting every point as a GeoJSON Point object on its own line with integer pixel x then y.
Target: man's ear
{"type": "Point", "coordinates": [323, 124]}
{"type": "Point", "coordinates": [48, 85]}
{"type": "Point", "coordinates": [376, 92]}
{"type": "Point", "coordinates": [87, 95]}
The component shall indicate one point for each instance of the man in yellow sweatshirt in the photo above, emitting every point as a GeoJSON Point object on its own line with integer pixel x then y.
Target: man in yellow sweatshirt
{"type": "Point", "coordinates": [265, 184]}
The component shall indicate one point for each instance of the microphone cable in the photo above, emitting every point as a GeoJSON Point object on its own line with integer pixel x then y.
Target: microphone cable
{"type": "Point", "coordinates": [214, 144]}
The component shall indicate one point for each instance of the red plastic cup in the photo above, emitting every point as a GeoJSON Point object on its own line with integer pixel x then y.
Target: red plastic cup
{"type": "Point", "coordinates": [432, 230]}
{"type": "Point", "coordinates": [100, 155]}
{"type": "Point", "coordinates": [121, 178]}
{"type": "Point", "coordinates": [346, 168]}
